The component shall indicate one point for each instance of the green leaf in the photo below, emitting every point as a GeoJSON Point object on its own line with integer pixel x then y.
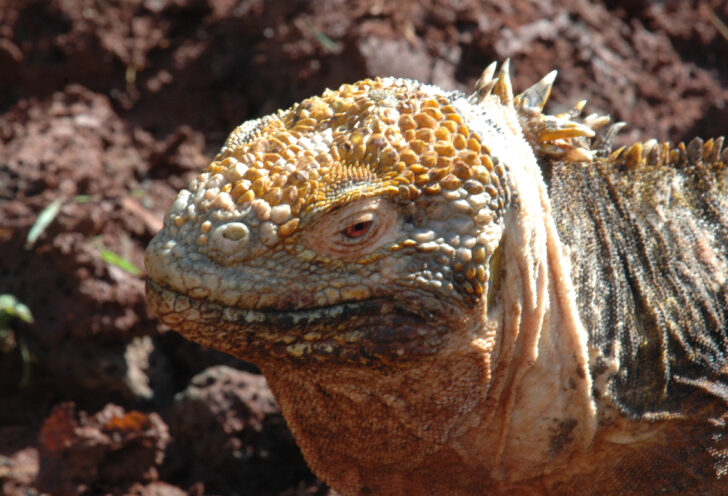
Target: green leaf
{"type": "Point", "coordinates": [43, 221]}
{"type": "Point", "coordinates": [115, 259]}
{"type": "Point", "coordinates": [321, 37]}
{"type": "Point", "coordinates": [137, 193]}
{"type": "Point", "coordinates": [10, 306]}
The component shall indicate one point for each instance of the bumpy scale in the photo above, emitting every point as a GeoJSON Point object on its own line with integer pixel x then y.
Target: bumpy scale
{"type": "Point", "coordinates": [459, 294]}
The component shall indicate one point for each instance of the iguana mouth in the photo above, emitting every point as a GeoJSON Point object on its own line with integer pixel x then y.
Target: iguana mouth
{"type": "Point", "coordinates": [360, 330]}
{"type": "Point", "coordinates": [304, 319]}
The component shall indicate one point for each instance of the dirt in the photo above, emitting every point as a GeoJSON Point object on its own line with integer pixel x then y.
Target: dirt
{"type": "Point", "coordinates": [109, 108]}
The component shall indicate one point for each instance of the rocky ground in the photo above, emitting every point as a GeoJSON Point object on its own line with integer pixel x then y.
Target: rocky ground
{"type": "Point", "coordinates": [108, 108]}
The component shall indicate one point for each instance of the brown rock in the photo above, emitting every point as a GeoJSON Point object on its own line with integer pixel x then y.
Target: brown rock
{"type": "Point", "coordinates": [79, 453]}
{"type": "Point", "coordinates": [232, 424]}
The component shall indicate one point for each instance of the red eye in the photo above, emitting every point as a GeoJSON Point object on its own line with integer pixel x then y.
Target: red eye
{"type": "Point", "coordinates": [358, 230]}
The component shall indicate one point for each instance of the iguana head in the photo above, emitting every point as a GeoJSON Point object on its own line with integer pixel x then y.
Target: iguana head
{"type": "Point", "coordinates": [362, 224]}
{"type": "Point", "coordinates": [385, 253]}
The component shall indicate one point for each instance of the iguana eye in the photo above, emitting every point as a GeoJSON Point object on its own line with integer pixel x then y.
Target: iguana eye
{"type": "Point", "coordinates": [359, 226]}
{"type": "Point", "coordinates": [357, 230]}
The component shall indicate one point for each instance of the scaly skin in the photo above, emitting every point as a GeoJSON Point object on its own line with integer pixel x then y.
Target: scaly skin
{"type": "Point", "coordinates": [435, 318]}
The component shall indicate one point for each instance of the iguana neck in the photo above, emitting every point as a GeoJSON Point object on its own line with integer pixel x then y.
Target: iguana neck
{"type": "Point", "coordinates": [542, 341]}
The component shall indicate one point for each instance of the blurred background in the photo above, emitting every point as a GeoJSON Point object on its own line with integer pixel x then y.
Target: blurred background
{"type": "Point", "coordinates": [107, 108]}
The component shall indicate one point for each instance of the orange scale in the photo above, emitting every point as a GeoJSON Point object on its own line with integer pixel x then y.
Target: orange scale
{"type": "Point", "coordinates": [459, 141]}
{"type": "Point", "coordinates": [355, 154]}
{"type": "Point", "coordinates": [428, 158]}
{"type": "Point", "coordinates": [298, 177]}
{"type": "Point", "coordinates": [475, 145]}
{"type": "Point", "coordinates": [481, 174]}
{"type": "Point", "coordinates": [297, 206]}
{"type": "Point", "coordinates": [403, 192]}
{"type": "Point", "coordinates": [444, 148]}
{"type": "Point", "coordinates": [304, 190]}
{"type": "Point", "coordinates": [414, 192]}
{"type": "Point", "coordinates": [450, 126]}
{"type": "Point", "coordinates": [426, 135]}
{"type": "Point", "coordinates": [406, 122]}
{"type": "Point", "coordinates": [450, 182]}
{"type": "Point", "coordinates": [284, 139]}
{"type": "Point", "coordinates": [419, 147]}
{"type": "Point", "coordinates": [388, 157]}
{"type": "Point", "coordinates": [469, 157]}
{"type": "Point", "coordinates": [260, 186]}
{"type": "Point", "coordinates": [437, 174]}
{"type": "Point", "coordinates": [289, 195]}
{"type": "Point", "coordinates": [289, 227]}
{"type": "Point", "coordinates": [425, 120]}
{"type": "Point", "coordinates": [473, 187]}
{"type": "Point", "coordinates": [247, 197]}
{"type": "Point", "coordinates": [216, 168]}
{"type": "Point", "coordinates": [238, 190]}
{"type": "Point", "coordinates": [306, 122]}
{"type": "Point", "coordinates": [422, 179]}
{"type": "Point", "coordinates": [273, 196]}
{"type": "Point", "coordinates": [357, 137]}
{"type": "Point", "coordinates": [271, 158]}
{"type": "Point", "coordinates": [303, 128]}
{"type": "Point", "coordinates": [322, 112]}
{"type": "Point", "coordinates": [292, 151]}
{"type": "Point", "coordinates": [434, 113]}
{"type": "Point", "coordinates": [432, 189]}
{"type": "Point", "coordinates": [253, 174]}
{"type": "Point", "coordinates": [462, 170]}
{"type": "Point", "coordinates": [443, 134]}
{"type": "Point", "coordinates": [408, 157]}
{"type": "Point", "coordinates": [377, 140]}
{"type": "Point", "coordinates": [444, 162]}
{"type": "Point", "coordinates": [280, 180]}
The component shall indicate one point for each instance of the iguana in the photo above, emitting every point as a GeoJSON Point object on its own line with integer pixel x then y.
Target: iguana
{"type": "Point", "coordinates": [456, 294]}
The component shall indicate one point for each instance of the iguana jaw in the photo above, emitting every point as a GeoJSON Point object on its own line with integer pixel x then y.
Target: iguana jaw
{"type": "Point", "coordinates": [364, 331]}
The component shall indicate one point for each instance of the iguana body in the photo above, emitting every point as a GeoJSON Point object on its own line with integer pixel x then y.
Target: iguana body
{"type": "Point", "coordinates": [435, 318]}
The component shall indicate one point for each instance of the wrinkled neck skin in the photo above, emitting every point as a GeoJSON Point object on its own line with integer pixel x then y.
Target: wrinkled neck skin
{"type": "Point", "coordinates": [507, 400]}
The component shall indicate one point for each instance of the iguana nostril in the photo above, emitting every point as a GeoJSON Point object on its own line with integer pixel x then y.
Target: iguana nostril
{"type": "Point", "coordinates": [232, 234]}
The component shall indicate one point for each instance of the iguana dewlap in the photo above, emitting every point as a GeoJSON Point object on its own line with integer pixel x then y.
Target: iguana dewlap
{"type": "Point", "coordinates": [457, 294]}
